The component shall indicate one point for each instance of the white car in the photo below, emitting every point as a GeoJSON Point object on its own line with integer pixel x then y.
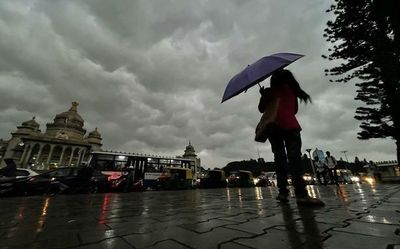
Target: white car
{"type": "Point", "coordinates": [24, 173]}
{"type": "Point", "coordinates": [272, 179]}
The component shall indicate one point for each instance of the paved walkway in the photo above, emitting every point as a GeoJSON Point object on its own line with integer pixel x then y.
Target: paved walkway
{"type": "Point", "coordinates": [356, 216]}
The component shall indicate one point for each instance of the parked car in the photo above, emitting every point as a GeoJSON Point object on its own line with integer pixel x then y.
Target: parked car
{"type": "Point", "coordinates": [22, 173]}
{"type": "Point", "coordinates": [10, 176]}
{"type": "Point", "coordinates": [61, 180]}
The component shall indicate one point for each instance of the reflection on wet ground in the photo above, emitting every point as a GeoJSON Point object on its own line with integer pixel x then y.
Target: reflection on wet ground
{"type": "Point", "coordinates": [355, 216]}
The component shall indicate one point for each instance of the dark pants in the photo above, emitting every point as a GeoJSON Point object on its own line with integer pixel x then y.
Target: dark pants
{"type": "Point", "coordinates": [333, 176]}
{"type": "Point", "coordinates": [323, 175]}
{"type": "Point", "coordinates": [286, 146]}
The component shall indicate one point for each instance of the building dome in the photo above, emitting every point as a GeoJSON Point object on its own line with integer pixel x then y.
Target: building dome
{"type": "Point", "coordinates": [189, 151]}
{"type": "Point", "coordinates": [28, 127]}
{"type": "Point", "coordinates": [69, 123]}
{"type": "Point", "coordinates": [31, 123]}
{"type": "Point", "coordinates": [94, 138]}
{"type": "Point", "coordinates": [71, 115]}
{"type": "Point", "coordinates": [190, 147]}
{"type": "Point", "coordinates": [94, 134]}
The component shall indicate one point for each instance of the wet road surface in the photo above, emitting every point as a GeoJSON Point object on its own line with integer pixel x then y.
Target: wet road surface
{"type": "Point", "coordinates": [355, 216]}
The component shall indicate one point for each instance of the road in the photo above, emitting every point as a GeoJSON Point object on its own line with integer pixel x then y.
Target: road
{"type": "Point", "coordinates": [355, 216]}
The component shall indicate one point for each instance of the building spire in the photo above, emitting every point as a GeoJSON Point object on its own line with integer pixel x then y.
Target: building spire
{"type": "Point", "coordinates": [74, 107]}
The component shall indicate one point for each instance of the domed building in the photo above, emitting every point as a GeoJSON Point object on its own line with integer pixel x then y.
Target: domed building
{"type": "Point", "coordinates": [190, 153]}
{"type": "Point", "coordinates": [64, 143]}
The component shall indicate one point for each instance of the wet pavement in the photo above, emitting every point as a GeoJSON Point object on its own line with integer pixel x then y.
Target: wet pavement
{"type": "Point", "coordinates": [355, 216]}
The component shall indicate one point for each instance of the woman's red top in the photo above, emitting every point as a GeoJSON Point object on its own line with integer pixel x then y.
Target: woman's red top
{"type": "Point", "coordinates": [286, 117]}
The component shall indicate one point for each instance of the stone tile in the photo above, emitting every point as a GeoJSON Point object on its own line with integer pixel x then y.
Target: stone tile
{"type": "Point", "coordinates": [228, 218]}
{"type": "Point", "coordinates": [29, 245]}
{"type": "Point", "coordinates": [186, 237]}
{"type": "Point", "coordinates": [340, 240]}
{"type": "Point", "coordinates": [151, 238]}
{"type": "Point", "coordinates": [372, 229]}
{"type": "Point", "coordinates": [16, 243]}
{"type": "Point", "coordinates": [315, 228]}
{"type": "Point", "coordinates": [94, 235]}
{"type": "Point", "coordinates": [109, 243]}
{"type": "Point", "coordinates": [274, 238]}
{"type": "Point", "coordinates": [168, 244]}
{"type": "Point", "coordinates": [8, 222]}
{"type": "Point", "coordinates": [206, 226]}
{"type": "Point", "coordinates": [59, 239]}
{"type": "Point", "coordinates": [233, 245]}
{"type": "Point", "coordinates": [242, 217]}
{"type": "Point", "coordinates": [126, 228]}
{"type": "Point", "coordinates": [386, 219]}
{"type": "Point", "coordinates": [258, 226]}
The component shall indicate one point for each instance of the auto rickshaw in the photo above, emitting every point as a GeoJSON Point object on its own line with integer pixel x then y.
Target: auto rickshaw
{"type": "Point", "coordinates": [215, 179]}
{"type": "Point", "coordinates": [241, 179]}
{"type": "Point", "coordinates": [175, 178]}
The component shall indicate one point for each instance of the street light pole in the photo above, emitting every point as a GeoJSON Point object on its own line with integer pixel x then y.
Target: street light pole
{"type": "Point", "coordinates": [311, 161]}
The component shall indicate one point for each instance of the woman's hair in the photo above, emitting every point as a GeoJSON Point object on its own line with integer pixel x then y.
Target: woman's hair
{"type": "Point", "coordinates": [284, 76]}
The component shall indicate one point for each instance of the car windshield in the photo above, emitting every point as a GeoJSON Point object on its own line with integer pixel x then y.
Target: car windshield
{"type": "Point", "coordinates": [59, 172]}
{"type": "Point", "coordinates": [22, 173]}
{"type": "Point", "coordinates": [270, 174]}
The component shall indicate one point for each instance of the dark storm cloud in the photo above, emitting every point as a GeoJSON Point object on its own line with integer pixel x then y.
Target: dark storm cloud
{"type": "Point", "coordinates": [150, 74]}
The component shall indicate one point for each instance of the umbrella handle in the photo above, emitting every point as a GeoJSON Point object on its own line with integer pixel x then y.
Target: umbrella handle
{"type": "Point", "coordinates": [261, 88]}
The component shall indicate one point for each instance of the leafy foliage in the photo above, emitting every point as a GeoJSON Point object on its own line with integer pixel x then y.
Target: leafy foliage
{"type": "Point", "coordinates": [366, 41]}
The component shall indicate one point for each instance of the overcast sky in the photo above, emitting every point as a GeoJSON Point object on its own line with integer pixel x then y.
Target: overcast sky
{"type": "Point", "coordinates": [150, 74]}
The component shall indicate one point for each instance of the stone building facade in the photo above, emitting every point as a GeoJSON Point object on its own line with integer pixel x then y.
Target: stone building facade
{"type": "Point", "coordinates": [190, 153]}
{"type": "Point", "coordinates": [64, 143]}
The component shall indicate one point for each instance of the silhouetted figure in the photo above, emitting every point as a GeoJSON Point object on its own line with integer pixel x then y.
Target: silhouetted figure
{"type": "Point", "coordinates": [321, 171]}
{"type": "Point", "coordinates": [331, 163]}
{"type": "Point", "coordinates": [286, 141]}
{"type": "Point", "coordinates": [11, 168]}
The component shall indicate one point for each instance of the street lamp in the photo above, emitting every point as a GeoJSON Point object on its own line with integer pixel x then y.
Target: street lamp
{"type": "Point", "coordinates": [311, 161]}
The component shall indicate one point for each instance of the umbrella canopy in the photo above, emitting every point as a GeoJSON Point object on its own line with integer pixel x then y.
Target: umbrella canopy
{"type": "Point", "coordinates": [257, 72]}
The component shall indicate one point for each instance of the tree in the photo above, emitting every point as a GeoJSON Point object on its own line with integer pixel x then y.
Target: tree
{"type": "Point", "coordinates": [366, 40]}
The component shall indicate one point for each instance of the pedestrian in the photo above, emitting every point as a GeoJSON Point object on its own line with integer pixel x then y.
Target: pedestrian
{"type": "Point", "coordinates": [321, 171]}
{"type": "Point", "coordinates": [331, 164]}
{"type": "Point", "coordinates": [286, 140]}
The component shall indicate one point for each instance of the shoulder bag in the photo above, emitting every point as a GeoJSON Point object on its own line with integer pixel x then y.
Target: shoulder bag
{"type": "Point", "coordinates": [267, 124]}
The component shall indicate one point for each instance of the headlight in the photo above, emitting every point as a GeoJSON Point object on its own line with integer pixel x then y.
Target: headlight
{"type": "Point", "coordinates": [307, 178]}
{"type": "Point", "coordinates": [370, 180]}
{"type": "Point", "coordinates": [355, 178]}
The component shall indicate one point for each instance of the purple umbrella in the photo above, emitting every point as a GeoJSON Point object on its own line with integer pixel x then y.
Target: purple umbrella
{"type": "Point", "coordinates": [257, 72]}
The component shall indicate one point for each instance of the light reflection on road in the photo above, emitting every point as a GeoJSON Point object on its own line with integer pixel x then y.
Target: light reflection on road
{"type": "Point", "coordinates": [43, 216]}
{"type": "Point", "coordinates": [258, 193]}
{"type": "Point", "coordinates": [104, 208]}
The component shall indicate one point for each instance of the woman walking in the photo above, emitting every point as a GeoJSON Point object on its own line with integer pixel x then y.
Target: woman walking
{"type": "Point", "coordinates": [286, 141]}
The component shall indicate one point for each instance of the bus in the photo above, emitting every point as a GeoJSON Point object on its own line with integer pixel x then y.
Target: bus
{"type": "Point", "coordinates": [146, 168]}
